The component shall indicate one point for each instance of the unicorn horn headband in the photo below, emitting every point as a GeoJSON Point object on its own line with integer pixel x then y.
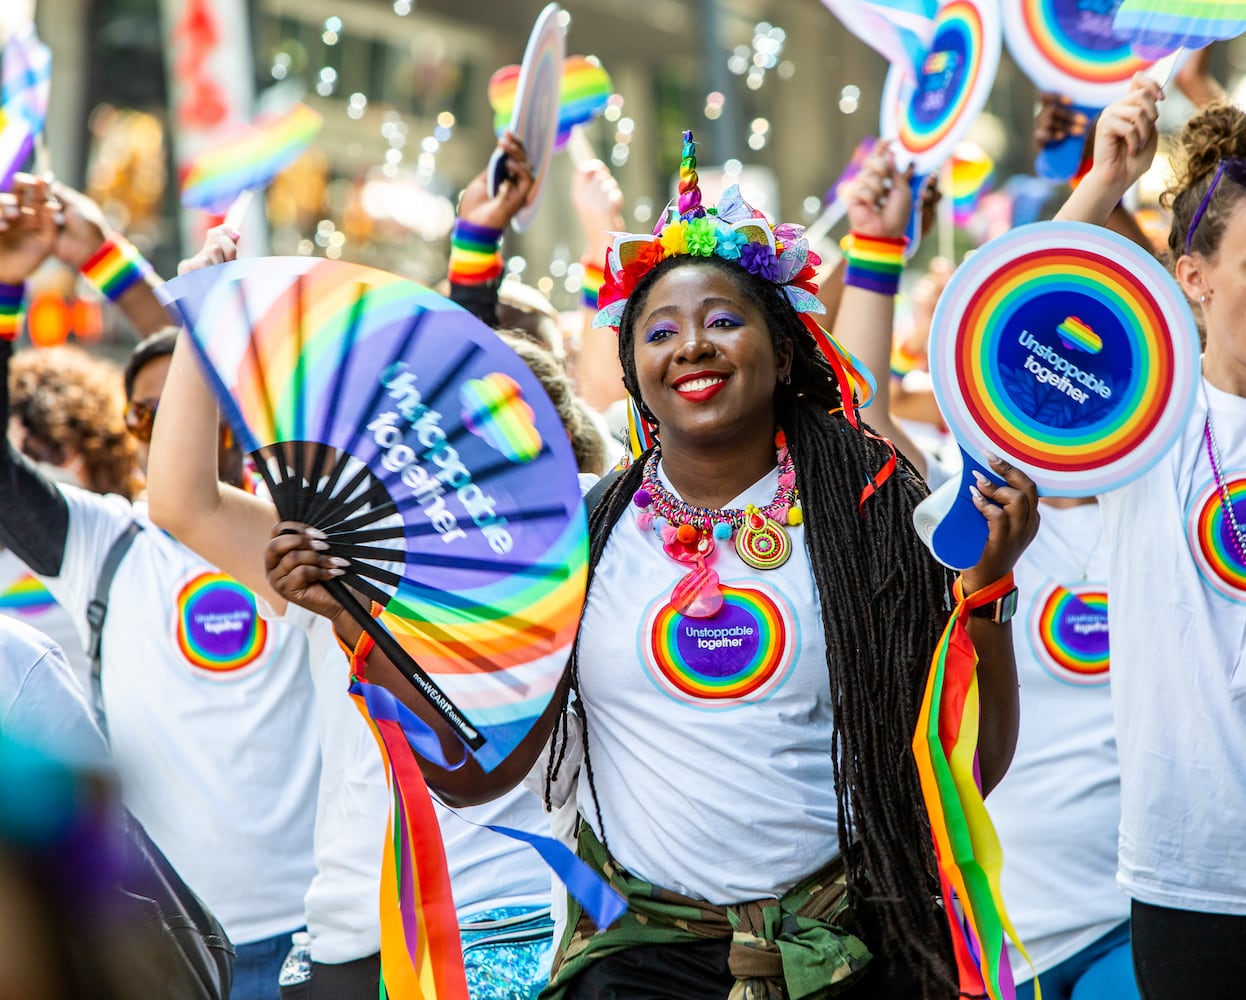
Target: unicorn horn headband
{"type": "Point", "coordinates": [733, 231]}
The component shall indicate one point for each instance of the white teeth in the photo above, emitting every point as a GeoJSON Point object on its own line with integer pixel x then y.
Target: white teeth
{"type": "Point", "coordinates": [697, 384]}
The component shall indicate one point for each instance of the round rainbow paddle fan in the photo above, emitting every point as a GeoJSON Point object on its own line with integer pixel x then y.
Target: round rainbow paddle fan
{"type": "Point", "coordinates": [427, 452]}
{"type": "Point", "coordinates": [1068, 351]}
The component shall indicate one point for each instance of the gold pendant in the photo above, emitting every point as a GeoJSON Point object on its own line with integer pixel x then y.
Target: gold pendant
{"type": "Point", "coordinates": [762, 542]}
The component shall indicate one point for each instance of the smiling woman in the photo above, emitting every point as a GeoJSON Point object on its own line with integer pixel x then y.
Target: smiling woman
{"type": "Point", "coordinates": [750, 662]}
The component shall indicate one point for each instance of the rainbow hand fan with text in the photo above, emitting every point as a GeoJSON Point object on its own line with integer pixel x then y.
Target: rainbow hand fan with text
{"type": "Point", "coordinates": [427, 452]}
{"type": "Point", "coordinates": [1157, 27]}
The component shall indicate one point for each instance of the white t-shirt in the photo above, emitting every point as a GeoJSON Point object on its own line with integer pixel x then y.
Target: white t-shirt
{"type": "Point", "coordinates": [487, 870]}
{"type": "Point", "coordinates": [208, 711]}
{"type": "Point", "coordinates": [1058, 807]}
{"type": "Point", "coordinates": [1178, 633]}
{"type": "Point", "coordinates": [690, 712]}
{"type": "Point", "coordinates": [41, 702]}
{"type": "Point", "coordinates": [24, 596]}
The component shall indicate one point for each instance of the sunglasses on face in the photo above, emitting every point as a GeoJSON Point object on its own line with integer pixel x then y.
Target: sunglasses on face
{"type": "Point", "coordinates": [139, 416]}
{"type": "Point", "coordinates": [1236, 170]}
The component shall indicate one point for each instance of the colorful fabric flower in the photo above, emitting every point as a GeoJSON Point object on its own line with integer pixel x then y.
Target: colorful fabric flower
{"type": "Point", "coordinates": [701, 237]}
{"type": "Point", "coordinates": [649, 256]}
{"type": "Point", "coordinates": [674, 238]}
{"type": "Point", "coordinates": [759, 259]}
{"type": "Point", "coordinates": [729, 242]}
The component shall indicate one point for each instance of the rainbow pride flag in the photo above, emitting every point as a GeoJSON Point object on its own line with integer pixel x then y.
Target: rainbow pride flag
{"type": "Point", "coordinates": [1157, 27]}
{"type": "Point", "coordinates": [248, 157]}
{"type": "Point", "coordinates": [969, 175]}
{"type": "Point", "coordinates": [584, 93]}
{"type": "Point", "coordinates": [17, 145]}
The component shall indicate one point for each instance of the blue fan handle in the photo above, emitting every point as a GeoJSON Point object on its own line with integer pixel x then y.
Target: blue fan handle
{"type": "Point", "coordinates": [914, 229]}
{"type": "Point", "coordinates": [949, 523]}
{"type": "Point", "coordinates": [403, 660]}
{"type": "Point", "coordinates": [1058, 161]}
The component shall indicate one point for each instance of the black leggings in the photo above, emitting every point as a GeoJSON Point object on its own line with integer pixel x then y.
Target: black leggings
{"type": "Point", "coordinates": [357, 980]}
{"type": "Point", "coordinates": [1181, 953]}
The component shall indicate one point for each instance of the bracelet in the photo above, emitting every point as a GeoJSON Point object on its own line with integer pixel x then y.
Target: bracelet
{"type": "Point", "coordinates": [875, 263]}
{"type": "Point", "coordinates": [987, 595]}
{"type": "Point", "coordinates": [474, 256]}
{"type": "Point", "coordinates": [590, 284]}
{"type": "Point", "coordinates": [11, 297]}
{"type": "Point", "coordinates": [115, 267]}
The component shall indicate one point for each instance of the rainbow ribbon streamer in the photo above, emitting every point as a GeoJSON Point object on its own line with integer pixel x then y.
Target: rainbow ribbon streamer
{"type": "Point", "coordinates": [970, 171]}
{"type": "Point", "coordinates": [899, 30]}
{"type": "Point", "coordinates": [421, 954]}
{"type": "Point", "coordinates": [967, 849]}
{"type": "Point", "coordinates": [582, 96]}
{"type": "Point", "coordinates": [1155, 28]}
{"type": "Point", "coordinates": [248, 157]}
{"type": "Point", "coordinates": [26, 77]}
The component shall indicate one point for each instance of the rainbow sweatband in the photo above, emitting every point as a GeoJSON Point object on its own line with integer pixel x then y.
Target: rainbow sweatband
{"type": "Point", "coordinates": [11, 297]}
{"type": "Point", "coordinates": [115, 267]}
{"type": "Point", "coordinates": [474, 256]}
{"type": "Point", "coordinates": [875, 263]}
{"type": "Point", "coordinates": [590, 284]}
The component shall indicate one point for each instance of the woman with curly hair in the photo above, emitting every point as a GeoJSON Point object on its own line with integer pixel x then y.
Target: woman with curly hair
{"type": "Point", "coordinates": [1179, 591]}
{"type": "Point", "coordinates": [67, 410]}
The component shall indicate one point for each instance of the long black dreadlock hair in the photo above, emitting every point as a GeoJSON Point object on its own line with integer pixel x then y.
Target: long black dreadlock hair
{"type": "Point", "coordinates": [885, 602]}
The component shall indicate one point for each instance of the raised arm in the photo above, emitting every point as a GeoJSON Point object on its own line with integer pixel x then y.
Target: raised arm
{"type": "Point", "coordinates": [879, 201]}
{"type": "Point", "coordinates": [1124, 146]}
{"type": "Point", "coordinates": [225, 525]}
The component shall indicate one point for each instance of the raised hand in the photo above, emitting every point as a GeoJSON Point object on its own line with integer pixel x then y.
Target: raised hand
{"type": "Point", "coordinates": [496, 212]}
{"type": "Point", "coordinates": [26, 240]}
{"type": "Point", "coordinates": [219, 245]}
{"type": "Point", "coordinates": [83, 226]}
{"type": "Point", "coordinates": [1011, 513]}
{"type": "Point", "coordinates": [878, 199]}
{"type": "Point", "coordinates": [298, 568]}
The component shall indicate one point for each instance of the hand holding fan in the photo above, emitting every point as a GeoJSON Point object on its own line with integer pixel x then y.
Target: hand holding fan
{"type": "Point", "coordinates": [426, 451]}
{"type": "Point", "coordinates": [534, 119]}
{"type": "Point", "coordinates": [1068, 351]}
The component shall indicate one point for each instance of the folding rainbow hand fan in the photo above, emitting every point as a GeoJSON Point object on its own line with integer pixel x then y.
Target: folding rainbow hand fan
{"type": "Point", "coordinates": [1157, 27]}
{"type": "Point", "coordinates": [427, 452]}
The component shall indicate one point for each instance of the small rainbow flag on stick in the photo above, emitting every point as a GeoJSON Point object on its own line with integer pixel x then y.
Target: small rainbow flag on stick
{"type": "Point", "coordinates": [26, 79]}
{"type": "Point", "coordinates": [585, 92]}
{"type": "Point", "coordinates": [1157, 27]}
{"type": "Point", "coordinates": [969, 174]}
{"type": "Point", "coordinates": [898, 30]}
{"type": "Point", "coordinates": [249, 157]}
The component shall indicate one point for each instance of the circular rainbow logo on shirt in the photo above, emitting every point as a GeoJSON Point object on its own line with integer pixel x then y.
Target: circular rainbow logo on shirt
{"type": "Point", "coordinates": [218, 628]}
{"type": "Point", "coordinates": [1210, 535]}
{"type": "Point", "coordinates": [739, 656]}
{"type": "Point", "coordinates": [1069, 631]}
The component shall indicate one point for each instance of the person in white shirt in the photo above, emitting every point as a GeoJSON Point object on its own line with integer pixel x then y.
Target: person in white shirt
{"type": "Point", "coordinates": [1177, 565]}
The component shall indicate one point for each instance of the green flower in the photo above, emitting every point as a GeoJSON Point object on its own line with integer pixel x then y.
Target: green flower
{"type": "Point", "coordinates": [701, 237]}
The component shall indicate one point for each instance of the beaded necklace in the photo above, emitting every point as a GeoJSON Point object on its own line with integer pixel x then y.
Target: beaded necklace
{"type": "Point", "coordinates": [689, 534]}
{"type": "Point", "coordinates": [1226, 503]}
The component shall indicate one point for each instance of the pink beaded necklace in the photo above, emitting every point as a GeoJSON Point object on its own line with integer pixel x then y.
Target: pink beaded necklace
{"type": "Point", "coordinates": [689, 534]}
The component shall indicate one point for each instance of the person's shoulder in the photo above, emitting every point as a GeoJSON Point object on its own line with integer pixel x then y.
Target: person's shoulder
{"type": "Point", "coordinates": [19, 640]}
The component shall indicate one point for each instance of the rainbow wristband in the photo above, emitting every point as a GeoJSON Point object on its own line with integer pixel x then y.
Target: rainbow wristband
{"type": "Point", "coordinates": [474, 256]}
{"type": "Point", "coordinates": [11, 297]}
{"type": "Point", "coordinates": [115, 267]}
{"type": "Point", "coordinates": [590, 284]}
{"type": "Point", "coordinates": [875, 263]}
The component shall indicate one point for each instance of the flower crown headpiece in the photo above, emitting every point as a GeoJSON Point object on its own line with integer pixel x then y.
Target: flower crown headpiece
{"type": "Point", "coordinates": [733, 231]}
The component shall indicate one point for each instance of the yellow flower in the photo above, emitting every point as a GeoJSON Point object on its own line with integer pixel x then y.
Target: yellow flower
{"type": "Point", "coordinates": [675, 238]}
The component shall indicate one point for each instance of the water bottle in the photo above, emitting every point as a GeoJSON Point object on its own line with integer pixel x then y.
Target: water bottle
{"type": "Point", "coordinates": [297, 968]}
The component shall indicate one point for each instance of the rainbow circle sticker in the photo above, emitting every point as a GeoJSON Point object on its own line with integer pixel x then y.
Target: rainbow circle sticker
{"type": "Point", "coordinates": [930, 115]}
{"type": "Point", "coordinates": [1069, 633]}
{"type": "Point", "coordinates": [1210, 534]}
{"type": "Point", "coordinates": [217, 627]}
{"type": "Point", "coordinates": [1068, 46]}
{"type": "Point", "coordinates": [741, 655]}
{"type": "Point", "coordinates": [1067, 350]}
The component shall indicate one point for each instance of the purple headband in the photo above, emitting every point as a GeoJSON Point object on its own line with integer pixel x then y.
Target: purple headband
{"type": "Point", "coordinates": [1236, 169]}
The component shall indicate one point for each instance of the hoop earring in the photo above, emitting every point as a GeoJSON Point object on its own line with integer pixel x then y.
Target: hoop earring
{"type": "Point", "coordinates": [787, 378]}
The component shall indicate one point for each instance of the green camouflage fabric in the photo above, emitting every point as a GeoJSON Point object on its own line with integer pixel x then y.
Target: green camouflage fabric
{"type": "Point", "coordinates": [781, 949]}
